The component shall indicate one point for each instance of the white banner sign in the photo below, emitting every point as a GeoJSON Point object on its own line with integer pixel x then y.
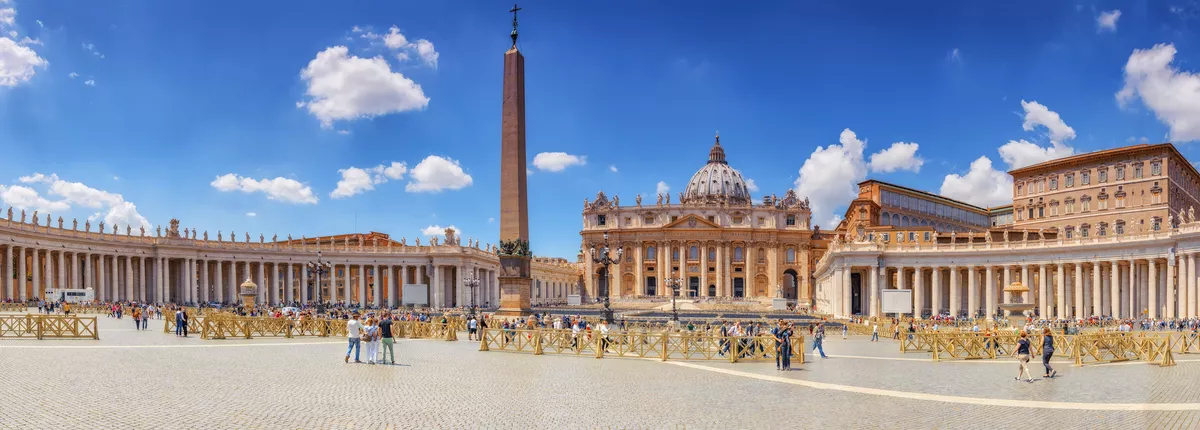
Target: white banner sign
{"type": "Point", "coordinates": [897, 301]}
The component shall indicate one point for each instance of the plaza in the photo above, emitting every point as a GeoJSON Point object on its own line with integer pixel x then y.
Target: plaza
{"type": "Point", "coordinates": [149, 379]}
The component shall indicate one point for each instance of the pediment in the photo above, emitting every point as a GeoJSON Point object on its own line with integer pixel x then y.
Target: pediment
{"type": "Point", "coordinates": [692, 221]}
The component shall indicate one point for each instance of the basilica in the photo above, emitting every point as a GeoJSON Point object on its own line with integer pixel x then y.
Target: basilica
{"type": "Point", "coordinates": [715, 242]}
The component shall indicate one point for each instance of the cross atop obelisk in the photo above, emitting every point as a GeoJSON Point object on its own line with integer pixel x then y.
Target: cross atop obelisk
{"type": "Point", "coordinates": [515, 279]}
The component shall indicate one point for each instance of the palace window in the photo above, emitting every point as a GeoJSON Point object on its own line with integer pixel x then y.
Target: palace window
{"type": "Point", "coordinates": [1053, 183]}
{"type": "Point", "coordinates": [1020, 190]}
{"type": "Point", "coordinates": [762, 255]}
{"type": "Point", "coordinates": [1103, 204]}
{"type": "Point", "coordinates": [1103, 175]}
{"type": "Point", "coordinates": [927, 236]}
{"type": "Point", "coordinates": [1102, 230]}
{"type": "Point", "coordinates": [1157, 223]}
{"type": "Point", "coordinates": [1120, 227]}
{"type": "Point", "coordinates": [737, 220]}
{"type": "Point", "coordinates": [674, 254]}
{"type": "Point", "coordinates": [1070, 181]}
{"type": "Point", "coordinates": [1070, 207]}
{"type": "Point", "coordinates": [1086, 178]}
{"type": "Point", "coordinates": [791, 255]}
{"type": "Point", "coordinates": [1041, 186]}
{"type": "Point", "coordinates": [1041, 212]}
{"type": "Point", "coordinates": [601, 220]}
{"type": "Point", "coordinates": [1083, 230]}
{"type": "Point", "coordinates": [712, 254]}
{"type": "Point", "coordinates": [791, 220]}
{"type": "Point", "coordinates": [628, 221]}
{"type": "Point", "coordinates": [887, 237]}
{"type": "Point", "coordinates": [1084, 203]}
{"type": "Point", "coordinates": [737, 254]}
{"type": "Point", "coordinates": [1155, 169]}
{"type": "Point", "coordinates": [1070, 232]}
{"type": "Point", "coordinates": [1030, 213]}
{"type": "Point", "coordinates": [712, 219]}
{"type": "Point", "coordinates": [628, 256]}
{"type": "Point", "coordinates": [1137, 171]}
{"type": "Point", "coordinates": [1120, 173]}
{"type": "Point", "coordinates": [693, 253]}
{"type": "Point", "coordinates": [762, 221]}
{"type": "Point", "coordinates": [650, 252]}
{"type": "Point", "coordinates": [649, 220]}
{"type": "Point", "coordinates": [912, 236]}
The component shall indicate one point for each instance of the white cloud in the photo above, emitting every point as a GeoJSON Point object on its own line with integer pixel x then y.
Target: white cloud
{"type": "Point", "coordinates": [251, 214]}
{"type": "Point", "coordinates": [661, 188]}
{"type": "Point", "coordinates": [356, 180]}
{"type": "Point", "coordinates": [437, 230]}
{"type": "Point", "coordinates": [280, 188]}
{"type": "Point", "coordinates": [345, 87]}
{"type": "Point", "coordinates": [955, 56]}
{"type": "Point", "coordinates": [1021, 153]}
{"type": "Point", "coordinates": [1038, 114]}
{"type": "Point", "coordinates": [116, 178]}
{"type": "Point", "coordinates": [981, 185]}
{"type": "Point", "coordinates": [830, 176]}
{"type": "Point", "coordinates": [39, 23]}
{"type": "Point", "coordinates": [557, 161]}
{"type": "Point", "coordinates": [343, 132]}
{"type": "Point", "coordinates": [8, 16]}
{"type": "Point", "coordinates": [394, 39]}
{"type": "Point", "coordinates": [491, 220]}
{"type": "Point", "coordinates": [400, 45]}
{"type": "Point", "coordinates": [27, 41]}
{"type": "Point", "coordinates": [17, 63]}
{"type": "Point", "coordinates": [73, 75]}
{"type": "Point", "coordinates": [90, 82]}
{"type": "Point", "coordinates": [751, 185]}
{"type": "Point", "coordinates": [528, 172]}
{"type": "Point", "coordinates": [434, 174]}
{"type": "Point", "coordinates": [92, 48]}
{"type": "Point", "coordinates": [1172, 94]}
{"type": "Point", "coordinates": [1107, 21]}
{"type": "Point", "coordinates": [612, 168]}
{"type": "Point", "coordinates": [426, 52]}
{"type": "Point", "coordinates": [114, 209]}
{"type": "Point", "coordinates": [900, 156]}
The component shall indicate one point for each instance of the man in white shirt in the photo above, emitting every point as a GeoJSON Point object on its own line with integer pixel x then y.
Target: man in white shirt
{"type": "Point", "coordinates": [354, 334]}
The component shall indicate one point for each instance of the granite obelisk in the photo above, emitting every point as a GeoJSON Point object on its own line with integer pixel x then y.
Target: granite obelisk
{"type": "Point", "coordinates": [515, 280]}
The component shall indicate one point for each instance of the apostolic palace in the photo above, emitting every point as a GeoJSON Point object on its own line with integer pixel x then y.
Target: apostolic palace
{"type": "Point", "coordinates": [1108, 233]}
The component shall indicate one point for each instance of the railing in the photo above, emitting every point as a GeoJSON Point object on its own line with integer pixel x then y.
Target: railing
{"type": "Point", "coordinates": [1084, 348]}
{"type": "Point", "coordinates": [14, 307]}
{"type": "Point", "coordinates": [239, 327]}
{"type": "Point", "coordinates": [48, 326]}
{"type": "Point", "coordinates": [662, 345]}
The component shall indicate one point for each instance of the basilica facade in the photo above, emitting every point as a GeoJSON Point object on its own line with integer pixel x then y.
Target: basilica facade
{"type": "Point", "coordinates": [713, 243]}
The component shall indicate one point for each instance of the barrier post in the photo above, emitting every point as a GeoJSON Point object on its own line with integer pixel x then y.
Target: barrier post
{"type": "Point", "coordinates": [664, 346]}
{"type": "Point", "coordinates": [483, 346]}
{"type": "Point", "coordinates": [537, 342]}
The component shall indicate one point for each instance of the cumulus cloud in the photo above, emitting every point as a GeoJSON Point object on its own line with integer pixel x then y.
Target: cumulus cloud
{"type": "Point", "coordinates": [899, 156]}
{"type": "Point", "coordinates": [1021, 153]}
{"type": "Point", "coordinates": [18, 63]}
{"type": "Point", "coordinates": [90, 82]}
{"type": "Point", "coordinates": [751, 186]}
{"type": "Point", "coordinates": [1038, 114]}
{"type": "Point", "coordinates": [92, 49]}
{"type": "Point", "coordinates": [1173, 95]}
{"type": "Point", "coordinates": [557, 161]}
{"type": "Point", "coordinates": [403, 49]}
{"type": "Point", "coordinates": [982, 185]}
{"type": "Point", "coordinates": [251, 214]}
{"type": "Point", "coordinates": [661, 189]}
{"type": "Point", "coordinates": [280, 188]}
{"type": "Point", "coordinates": [434, 174]}
{"type": "Point", "coordinates": [8, 16]}
{"type": "Point", "coordinates": [437, 230]}
{"type": "Point", "coordinates": [830, 175]}
{"type": "Point", "coordinates": [73, 75]}
{"type": "Point", "coordinates": [612, 168]}
{"type": "Point", "coordinates": [346, 87]}
{"type": "Point", "coordinates": [1107, 21]}
{"type": "Point", "coordinates": [114, 209]}
{"type": "Point", "coordinates": [358, 180]}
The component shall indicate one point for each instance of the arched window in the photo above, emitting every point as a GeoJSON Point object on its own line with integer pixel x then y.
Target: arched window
{"type": "Point", "coordinates": [628, 256]}
{"type": "Point", "coordinates": [905, 222]}
{"type": "Point", "coordinates": [712, 254]}
{"type": "Point", "coordinates": [895, 219]}
{"type": "Point", "coordinates": [674, 253]}
{"type": "Point", "coordinates": [791, 255]}
{"type": "Point", "coordinates": [693, 253]}
{"type": "Point", "coordinates": [737, 254]}
{"type": "Point", "coordinates": [885, 218]}
{"type": "Point", "coordinates": [762, 255]}
{"type": "Point", "coordinates": [650, 252]}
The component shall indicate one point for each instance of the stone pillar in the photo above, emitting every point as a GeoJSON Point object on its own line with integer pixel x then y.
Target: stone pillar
{"type": "Point", "coordinates": [205, 282]}
{"type": "Point", "coordinates": [362, 286]}
{"type": "Point", "coordinates": [383, 284]}
{"type": "Point", "coordinates": [35, 275]}
{"type": "Point", "coordinates": [936, 291]}
{"type": "Point", "coordinates": [304, 293]}
{"type": "Point", "coordinates": [847, 307]}
{"type": "Point", "coordinates": [1061, 293]}
{"type": "Point", "coordinates": [989, 286]}
{"type": "Point", "coordinates": [289, 278]}
{"type": "Point", "coordinates": [1114, 290]}
{"type": "Point", "coordinates": [721, 271]}
{"type": "Point", "coordinates": [1079, 311]}
{"type": "Point", "coordinates": [1129, 290]}
{"type": "Point", "coordinates": [436, 278]}
{"type": "Point", "coordinates": [1152, 302]}
{"type": "Point", "coordinates": [874, 276]}
{"type": "Point", "coordinates": [703, 270]}
{"type": "Point", "coordinates": [101, 286]}
{"type": "Point", "coordinates": [9, 282]}
{"type": "Point", "coordinates": [1191, 288]}
{"type": "Point", "coordinates": [1096, 294]}
{"type": "Point", "coordinates": [972, 292]}
{"type": "Point", "coordinates": [955, 291]}
{"type": "Point", "coordinates": [918, 291]}
{"type": "Point", "coordinates": [49, 273]}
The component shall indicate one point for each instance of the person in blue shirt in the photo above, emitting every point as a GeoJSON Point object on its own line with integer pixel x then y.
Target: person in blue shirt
{"type": "Point", "coordinates": [1047, 352]}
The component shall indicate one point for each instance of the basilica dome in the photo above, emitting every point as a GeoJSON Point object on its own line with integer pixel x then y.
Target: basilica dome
{"type": "Point", "coordinates": [716, 182]}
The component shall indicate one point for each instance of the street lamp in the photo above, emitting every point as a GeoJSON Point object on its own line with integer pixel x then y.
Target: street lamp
{"type": "Point", "coordinates": [472, 282]}
{"type": "Point", "coordinates": [603, 257]}
{"type": "Point", "coordinates": [317, 269]}
{"type": "Point", "coordinates": [674, 284]}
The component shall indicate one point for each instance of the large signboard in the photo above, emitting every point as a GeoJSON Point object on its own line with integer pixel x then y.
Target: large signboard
{"type": "Point", "coordinates": [897, 301]}
{"type": "Point", "coordinates": [415, 294]}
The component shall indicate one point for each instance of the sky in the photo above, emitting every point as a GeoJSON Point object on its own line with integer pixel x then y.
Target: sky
{"type": "Point", "coordinates": [323, 118]}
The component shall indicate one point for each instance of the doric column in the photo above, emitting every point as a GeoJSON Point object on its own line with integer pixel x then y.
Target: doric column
{"type": "Point", "coordinates": [383, 283]}
{"type": "Point", "coordinates": [437, 287]}
{"type": "Point", "coordinates": [703, 270]}
{"type": "Point", "coordinates": [874, 276]}
{"type": "Point", "coordinates": [348, 287]}
{"type": "Point", "coordinates": [1191, 290]}
{"type": "Point", "coordinates": [74, 281]}
{"type": "Point", "coordinates": [1079, 310]}
{"type": "Point", "coordinates": [972, 292]}
{"type": "Point", "coordinates": [1152, 302]}
{"type": "Point", "coordinates": [1044, 298]}
{"type": "Point", "coordinates": [989, 286]}
{"type": "Point", "coordinates": [37, 266]}
{"type": "Point", "coordinates": [9, 282]}
{"type": "Point", "coordinates": [936, 290]}
{"type": "Point", "coordinates": [1061, 296]}
{"type": "Point", "coordinates": [202, 265]}
{"type": "Point", "coordinates": [1169, 300]}
{"type": "Point", "coordinates": [128, 278]}
{"type": "Point", "coordinates": [1130, 290]}
{"type": "Point", "coordinates": [1114, 290]}
{"type": "Point", "coordinates": [721, 271]}
{"type": "Point", "coordinates": [49, 273]}
{"type": "Point", "coordinates": [955, 291]}
{"type": "Point", "coordinates": [101, 286]}
{"type": "Point", "coordinates": [1008, 279]}
{"type": "Point", "coordinates": [362, 285]}
{"type": "Point", "coordinates": [289, 289]}
{"type": "Point", "coordinates": [1096, 294]}
{"type": "Point", "coordinates": [847, 307]}
{"type": "Point", "coordinates": [304, 293]}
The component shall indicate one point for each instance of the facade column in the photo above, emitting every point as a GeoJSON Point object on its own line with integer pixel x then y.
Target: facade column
{"type": "Point", "coordinates": [847, 307]}
{"type": "Point", "coordinates": [936, 291]}
{"type": "Point", "coordinates": [289, 292]}
{"type": "Point", "coordinates": [721, 271]}
{"type": "Point", "coordinates": [35, 276]}
{"type": "Point", "coordinates": [9, 283]}
{"type": "Point", "coordinates": [972, 292]}
{"type": "Point", "coordinates": [304, 298]}
{"type": "Point", "coordinates": [128, 277]}
{"type": "Point", "coordinates": [1079, 304]}
{"type": "Point", "coordinates": [347, 287]}
{"type": "Point", "coordinates": [1152, 301]}
{"type": "Point", "coordinates": [383, 284]}
{"type": "Point", "coordinates": [874, 275]}
{"type": "Point", "coordinates": [703, 270]}
{"type": "Point", "coordinates": [955, 291]}
{"type": "Point", "coordinates": [1061, 296]}
{"type": "Point", "coordinates": [639, 275]}
{"type": "Point", "coordinates": [49, 271]}
{"type": "Point", "coordinates": [362, 286]}
{"type": "Point", "coordinates": [1114, 290]}
{"type": "Point", "coordinates": [159, 274]}
{"type": "Point", "coordinates": [918, 292]}
{"type": "Point", "coordinates": [204, 281]}
{"type": "Point", "coordinates": [1130, 290]}
{"type": "Point", "coordinates": [1191, 286]}
{"type": "Point", "coordinates": [989, 287]}
{"type": "Point", "coordinates": [437, 287]}
{"type": "Point", "coordinates": [1096, 294]}
{"type": "Point", "coordinates": [101, 285]}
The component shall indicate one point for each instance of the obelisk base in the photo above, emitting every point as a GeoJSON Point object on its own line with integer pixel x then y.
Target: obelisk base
{"type": "Point", "coordinates": [515, 287]}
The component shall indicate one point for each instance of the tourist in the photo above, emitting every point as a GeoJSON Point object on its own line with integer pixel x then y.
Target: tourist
{"type": "Point", "coordinates": [875, 332]}
{"type": "Point", "coordinates": [354, 337]}
{"type": "Point", "coordinates": [603, 335]}
{"type": "Point", "coordinates": [783, 346]}
{"type": "Point", "coordinates": [137, 318]}
{"type": "Point", "coordinates": [1022, 354]}
{"type": "Point", "coordinates": [845, 330]}
{"type": "Point", "coordinates": [371, 337]}
{"type": "Point", "coordinates": [385, 331]}
{"type": "Point", "coordinates": [818, 338]}
{"type": "Point", "coordinates": [1047, 352]}
{"type": "Point", "coordinates": [472, 328]}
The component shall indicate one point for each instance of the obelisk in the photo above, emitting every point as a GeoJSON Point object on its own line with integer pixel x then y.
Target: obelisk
{"type": "Point", "coordinates": [515, 280]}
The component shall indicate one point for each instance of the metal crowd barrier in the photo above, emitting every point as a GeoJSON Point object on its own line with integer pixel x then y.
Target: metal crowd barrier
{"type": "Point", "coordinates": [661, 345]}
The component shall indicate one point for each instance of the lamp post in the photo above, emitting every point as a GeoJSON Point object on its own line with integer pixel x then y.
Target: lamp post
{"type": "Point", "coordinates": [472, 282]}
{"type": "Point", "coordinates": [674, 284]}
{"type": "Point", "coordinates": [318, 268]}
{"type": "Point", "coordinates": [603, 256]}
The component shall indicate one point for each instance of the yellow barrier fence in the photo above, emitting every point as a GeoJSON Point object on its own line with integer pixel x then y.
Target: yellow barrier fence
{"type": "Point", "coordinates": [661, 345]}
{"type": "Point", "coordinates": [13, 307]}
{"type": "Point", "coordinates": [48, 326]}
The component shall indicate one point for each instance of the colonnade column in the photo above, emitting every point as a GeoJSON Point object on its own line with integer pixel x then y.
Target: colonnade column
{"type": "Point", "coordinates": [1061, 296]}
{"type": "Point", "coordinates": [36, 269]}
{"type": "Point", "coordinates": [1191, 286]}
{"type": "Point", "coordinates": [8, 278]}
{"type": "Point", "coordinates": [1096, 294]}
{"type": "Point", "coordinates": [304, 284]}
{"type": "Point", "coordinates": [1077, 311]}
{"type": "Point", "coordinates": [955, 297]}
{"type": "Point", "coordinates": [101, 286]}
{"type": "Point", "coordinates": [972, 292]}
{"type": "Point", "coordinates": [1130, 292]}
{"type": "Point", "coordinates": [847, 307]}
{"type": "Point", "coordinates": [1114, 291]}
{"type": "Point", "coordinates": [1170, 298]}
{"type": "Point", "coordinates": [874, 275]}
{"type": "Point", "coordinates": [918, 292]}
{"type": "Point", "coordinates": [1152, 301]}
{"type": "Point", "coordinates": [362, 286]}
{"type": "Point", "coordinates": [721, 272]}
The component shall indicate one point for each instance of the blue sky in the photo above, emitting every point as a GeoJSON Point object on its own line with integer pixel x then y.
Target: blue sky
{"type": "Point", "coordinates": [141, 111]}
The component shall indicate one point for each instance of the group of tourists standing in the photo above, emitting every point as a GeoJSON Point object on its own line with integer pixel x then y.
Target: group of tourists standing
{"type": "Point", "coordinates": [374, 332]}
{"type": "Point", "coordinates": [1022, 353]}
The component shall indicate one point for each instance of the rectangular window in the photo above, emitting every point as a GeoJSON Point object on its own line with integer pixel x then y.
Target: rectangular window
{"type": "Point", "coordinates": [886, 237]}
{"type": "Point", "coordinates": [1070, 232]}
{"type": "Point", "coordinates": [791, 220]}
{"type": "Point", "coordinates": [674, 218]}
{"type": "Point", "coordinates": [628, 221]}
{"type": "Point", "coordinates": [737, 220]}
{"type": "Point", "coordinates": [1020, 190]}
{"type": "Point", "coordinates": [1085, 204]}
{"type": "Point", "coordinates": [1157, 223]}
{"type": "Point", "coordinates": [1137, 171]}
{"type": "Point", "coordinates": [762, 221]}
{"type": "Point", "coordinates": [1070, 208]}
{"type": "Point", "coordinates": [601, 219]}
{"type": "Point", "coordinates": [1086, 178]}
{"type": "Point", "coordinates": [927, 236]}
{"type": "Point", "coordinates": [1070, 181]}
{"type": "Point", "coordinates": [1103, 204]}
{"type": "Point", "coordinates": [1042, 186]}
{"type": "Point", "coordinates": [1155, 198]}
{"type": "Point", "coordinates": [1104, 175]}
{"type": "Point", "coordinates": [1120, 228]}
{"type": "Point", "coordinates": [1053, 184]}
{"type": "Point", "coordinates": [1103, 231]}
{"type": "Point", "coordinates": [649, 220]}
{"type": "Point", "coordinates": [1120, 173]}
{"type": "Point", "coordinates": [1155, 169]}
{"type": "Point", "coordinates": [1041, 212]}
{"type": "Point", "coordinates": [1083, 231]}
{"type": "Point", "coordinates": [912, 236]}
{"type": "Point", "coordinates": [1120, 202]}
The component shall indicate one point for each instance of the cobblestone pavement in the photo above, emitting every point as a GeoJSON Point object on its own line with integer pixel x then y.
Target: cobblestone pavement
{"type": "Point", "coordinates": [147, 379]}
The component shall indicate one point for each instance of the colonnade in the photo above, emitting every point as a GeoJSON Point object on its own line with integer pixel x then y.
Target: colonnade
{"type": "Point", "coordinates": [1145, 286]}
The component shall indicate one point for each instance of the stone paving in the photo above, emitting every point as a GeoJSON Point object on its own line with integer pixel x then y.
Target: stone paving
{"type": "Point", "coordinates": [147, 379]}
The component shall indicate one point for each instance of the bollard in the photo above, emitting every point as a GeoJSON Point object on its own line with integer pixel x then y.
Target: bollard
{"type": "Point", "coordinates": [599, 345]}
{"type": "Point", "coordinates": [664, 347]}
{"type": "Point", "coordinates": [483, 346]}
{"type": "Point", "coordinates": [733, 349]}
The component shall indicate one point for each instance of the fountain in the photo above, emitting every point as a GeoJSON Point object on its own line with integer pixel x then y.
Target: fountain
{"type": "Point", "coordinates": [1017, 305]}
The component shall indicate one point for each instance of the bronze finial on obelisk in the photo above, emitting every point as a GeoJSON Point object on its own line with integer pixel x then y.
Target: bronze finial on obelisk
{"type": "Point", "coordinates": [515, 281]}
